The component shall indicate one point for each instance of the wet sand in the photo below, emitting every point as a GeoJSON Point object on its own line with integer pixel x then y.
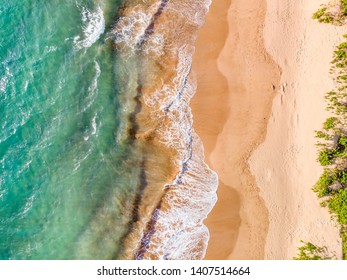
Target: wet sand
{"type": "Point", "coordinates": [237, 82]}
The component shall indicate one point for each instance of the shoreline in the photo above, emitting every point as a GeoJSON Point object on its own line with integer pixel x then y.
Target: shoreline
{"type": "Point", "coordinates": [236, 87]}
{"type": "Point", "coordinates": [157, 41]}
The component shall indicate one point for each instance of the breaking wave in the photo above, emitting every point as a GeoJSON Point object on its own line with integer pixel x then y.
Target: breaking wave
{"type": "Point", "coordinates": [93, 27]}
{"type": "Point", "coordinates": [161, 34]}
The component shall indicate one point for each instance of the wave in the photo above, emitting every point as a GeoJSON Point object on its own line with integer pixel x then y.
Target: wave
{"type": "Point", "coordinates": [190, 197]}
{"type": "Point", "coordinates": [79, 159]}
{"type": "Point", "coordinates": [11, 125]}
{"type": "Point", "coordinates": [93, 27]}
{"type": "Point", "coordinates": [5, 79]}
{"type": "Point", "coordinates": [3, 83]}
{"type": "Point", "coordinates": [28, 205]}
{"type": "Point", "coordinates": [129, 31]}
{"type": "Point", "coordinates": [2, 190]}
{"type": "Point", "coordinates": [50, 49]}
{"type": "Point", "coordinates": [161, 34]}
{"type": "Point", "coordinates": [92, 91]}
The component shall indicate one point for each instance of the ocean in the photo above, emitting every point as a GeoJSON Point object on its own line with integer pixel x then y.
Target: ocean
{"type": "Point", "coordinates": [98, 155]}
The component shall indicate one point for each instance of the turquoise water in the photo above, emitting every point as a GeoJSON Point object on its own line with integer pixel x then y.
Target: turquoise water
{"type": "Point", "coordinates": [98, 155]}
{"type": "Point", "coordinates": [66, 165]}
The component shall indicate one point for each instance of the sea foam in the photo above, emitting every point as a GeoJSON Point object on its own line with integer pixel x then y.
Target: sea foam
{"type": "Point", "coordinates": [179, 232]}
{"type": "Point", "coordinates": [4, 80]}
{"type": "Point", "coordinates": [92, 91]}
{"type": "Point", "coordinates": [93, 27]}
{"type": "Point", "coordinates": [191, 196]}
{"type": "Point", "coordinates": [129, 31]}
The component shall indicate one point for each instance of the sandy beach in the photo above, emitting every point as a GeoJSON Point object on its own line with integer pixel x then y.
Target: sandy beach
{"type": "Point", "coordinates": [241, 111]}
{"type": "Point", "coordinates": [262, 69]}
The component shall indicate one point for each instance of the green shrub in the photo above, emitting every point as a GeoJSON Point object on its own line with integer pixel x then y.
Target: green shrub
{"type": "Point", "coordinates": [342, 46]}
{"type": "Point", "coordinates": [344, 7]}
{"type": "Point", "coordinates": [325, 157]}
{"type": "Point", "coordinates": [342, 177]}
{"type": "Point", "coordinates": [331, 93]}
{"type": "Point", "coordinates": [324, 203]}
{"type": "Point", "coordinates": [341, 109]}
{"type": "Point", "coordinates": [322, 16]}
{"type": "Point", "coordinates": [343, 141]}
{"type": "Point", "coordinates": [325, 180]}
{"type": "Point", "coordinates": [319, 13]}
{"type": "Point", "coordinates": [340, 54]}
{"type": "Point", "coordinates": [343, 155]}
{"type": "Point", "coordinates": [342, 77]}
{"type": "Point", "coordinates": [338, 205]}
{"type": "Point", "coordinates": [310, 251]}
{"type": "Point", "coordinates": [330, 123]}
{"type": "Point", "coordinates": [321, 134]}
{"type": "Point", "coordinates": [343, 234]}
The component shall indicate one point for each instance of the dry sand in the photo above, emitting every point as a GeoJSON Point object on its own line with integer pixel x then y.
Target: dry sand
{"type": "Point", "coordinates": [242, 98]}
{"type": "Point", "coordinates": [285, 164]}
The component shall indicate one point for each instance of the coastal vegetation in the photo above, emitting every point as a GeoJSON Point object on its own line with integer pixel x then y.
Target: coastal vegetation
{"type": "Point", "coordinates": [309, 251]}
{"type": "Point", "coordinates": [323, 16]}
{"type": "Point", "coordinates": [335, 12]}
{"type": "Point", "coordinates": [331, 187]}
